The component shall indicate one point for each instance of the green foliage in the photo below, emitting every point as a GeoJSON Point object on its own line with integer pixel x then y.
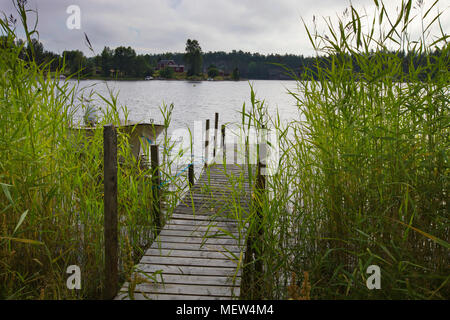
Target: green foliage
{"type": "Point", "coordinates": [250, 65]}
{"type": "Point", "coordinates": [107, 61]}
{"type": "Point", "coordinates": [363, 172]}
{"type": "Point", "coordinates": [51, 178]}
{"type": "Point", "coordinates": [124, 61]}
{"type": "Point", "coordinates": [235, 75]}
{"type": "Point", "coordinates": [193, 57]}
{"type": "Point", "coordinates": [213, 71]}
{"type": "Point", "coordinates": [166, 73]}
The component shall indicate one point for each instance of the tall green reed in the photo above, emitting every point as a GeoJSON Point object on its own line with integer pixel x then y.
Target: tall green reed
{"type": "Point", "coordinates": [363, 172]}
{"type": "Point", "coordinates": [52, 182]}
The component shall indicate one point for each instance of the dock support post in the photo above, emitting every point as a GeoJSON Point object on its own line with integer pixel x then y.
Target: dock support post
{"type": "Point", "coordinates": [224, 150]}
{"type": "Point", "coordinates": [216, 128]}
{"type": "Point", "coordinates": [110, 211]}
{"type": "Point", "coordinates": [206, 142]}
{"type": "Point", "coordinates": [253, 276]}
{"type": "Point", "coordinates": [156, 184]}
{"type": "Point", "coordinates": [191, 173]}
{"type": "Point", "coordinates": [260, 190]}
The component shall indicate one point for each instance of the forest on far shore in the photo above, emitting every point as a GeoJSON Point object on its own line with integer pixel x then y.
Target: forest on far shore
{"type": "Point", "coordinates": [124, 63]}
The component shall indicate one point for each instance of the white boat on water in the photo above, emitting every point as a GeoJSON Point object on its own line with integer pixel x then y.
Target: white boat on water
{"type": "Point", "coordinates": [149, 78]}
{"type": "Point", "coordinates": [140, 134]}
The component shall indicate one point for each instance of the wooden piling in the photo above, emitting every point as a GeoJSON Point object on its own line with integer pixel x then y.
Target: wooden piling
{"type": "Point", "coordinates": [224, 152]}
{"type": "Point", "coordinates": [110, 211]}
{"type": "Point", "coordinates": [260, 190]}
{"type": "Point", "coordinates": [253, 276]}
{"type": "Point", "coordinates": [156, 185]}
{"type": "Point", "coordinates": [191, 174]}
{"type": "Point", "coordinates": [206, 142]}
{"type": "Point", "coordinates": [216, 128]}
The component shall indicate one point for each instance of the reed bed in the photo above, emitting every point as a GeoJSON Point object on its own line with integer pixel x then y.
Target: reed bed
{"type": "Point", "coordinates": [363, 172]}
{"type": "Point", "coordinates": [361, 179]}
{"type": "Point", "coordinates": [52, 182]}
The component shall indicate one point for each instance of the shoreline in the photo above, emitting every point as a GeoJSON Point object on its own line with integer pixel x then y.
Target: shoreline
{"type": "Point", "coordinates": [162, 79]}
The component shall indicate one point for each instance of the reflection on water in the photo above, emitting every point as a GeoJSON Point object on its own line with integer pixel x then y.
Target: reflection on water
{"type": "Point", "coordinates": [194, 100]}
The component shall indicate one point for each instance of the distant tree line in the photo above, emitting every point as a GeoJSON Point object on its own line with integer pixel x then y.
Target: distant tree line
{"type": "Point", "coordinates": [123, 62]}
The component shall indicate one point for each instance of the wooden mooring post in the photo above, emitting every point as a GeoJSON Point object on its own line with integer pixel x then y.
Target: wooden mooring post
{"type": "Point", "coordinates": [260, 191]}
{"type": "Point", "coordinates": [253, 276]}
{"type": "Point", "coordinates": [110, 211]}
{"type": "Point", "coordinates": [206, 142]}
{"type": "Point", "coordinates": [224, 152]}
{"type": "Point", "coordinates": [216, 128]}
{"type": "Point", "coordinates": [156, 186]}
{"type": "Point", "coordinates": [191, 173]}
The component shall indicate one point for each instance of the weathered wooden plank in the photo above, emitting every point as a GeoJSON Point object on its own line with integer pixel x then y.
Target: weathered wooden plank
{"type": "Point", "coordinates": [205, 280]}
{"type": "Point", "coordinates": [189, 270]}
{"type": "Point", "coordinates": [219, 200]}
{"type": "Point", "coordinates": [200, 219]}
{"type": "Point", "coordinates": [201, 223]}
{"type": "Point", "coordinates": [204, 209]}
{"type": "Point", "coordinates": [224, 214]}
{"type": "Point", "coordinates": [188, 261]}
{"type": "Point", "coordinates": [163, 296]}
{"type": "Point", "coordinates": [194, 240]}
{"type": "Point", "coordinates": [175, 225]}
{"type": "Point", "coordinates": [203, 217]}
{"type": "Point", "coordinates": [216, 234]}
{"type": "Point", "coordinates": [189, 289]}
{"type": "Point", "coordinates": [183, 230]}
{"type": "Point", "coordinates": [200, 208]}
{"type": "Point", "coordinates": [190, 253]}
{"type": "Point", "coordinates": [181, 225]}
{"type": "Point", "coordinates": [220, 186]}
{"type": "Point", "coordinates": [210, 196]}
{"type": "Point", "coordinates": [214, 206]}
{"type": "Point", "coordinates": [222, 183]}
{"type": "Point", "coordinates": [230, 179]}
{"type": "Point", "coordinates": [195, 246]}
{"type": "Point", "coordinates": [202, 279]}
{"type": "Point", "coordinates": [215, 195]}
{"type": "Point", "coordinates": [221, 173]}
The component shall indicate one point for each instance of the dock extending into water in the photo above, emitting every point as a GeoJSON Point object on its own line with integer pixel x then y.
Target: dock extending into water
{"type": "Point", "coordinates": [196, 254]}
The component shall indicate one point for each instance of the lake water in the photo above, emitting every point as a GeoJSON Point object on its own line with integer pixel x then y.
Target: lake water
{"type": "Point", "coordinates": [194, 101]}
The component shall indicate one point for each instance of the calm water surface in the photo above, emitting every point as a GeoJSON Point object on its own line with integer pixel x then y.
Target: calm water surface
{"type": "Point", "coordinates": [194, 100]}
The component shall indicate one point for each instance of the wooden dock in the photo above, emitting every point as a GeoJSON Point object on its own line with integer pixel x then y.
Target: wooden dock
{"type": "Point", "coordinates": [197, 252]}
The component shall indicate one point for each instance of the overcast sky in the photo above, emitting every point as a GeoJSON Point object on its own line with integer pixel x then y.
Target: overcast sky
{"type": "Point", "coordinates": [156, 26]}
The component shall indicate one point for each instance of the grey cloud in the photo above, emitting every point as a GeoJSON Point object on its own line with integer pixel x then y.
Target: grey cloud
{"type": "Point", "coordinates": [264, 26]}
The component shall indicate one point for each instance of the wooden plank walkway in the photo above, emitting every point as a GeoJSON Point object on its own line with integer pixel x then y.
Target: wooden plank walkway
{"type": "Point", "coordinates": [196, 254]}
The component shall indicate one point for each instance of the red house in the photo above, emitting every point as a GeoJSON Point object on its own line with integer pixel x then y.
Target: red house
{"type": "Point", "coordinates": [171, 64]}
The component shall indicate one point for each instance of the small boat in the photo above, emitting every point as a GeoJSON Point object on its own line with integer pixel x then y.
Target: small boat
{"type": "Point", "coordinates": [148, 78]}
{"type": "Point", "coordinates": [140, 134]}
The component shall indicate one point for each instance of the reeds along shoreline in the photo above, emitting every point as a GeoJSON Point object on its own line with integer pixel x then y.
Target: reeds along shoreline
{"type": "Point", "coordinates": [361, 180]}
{"type": "Point", "coordinates": [52, 184]}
